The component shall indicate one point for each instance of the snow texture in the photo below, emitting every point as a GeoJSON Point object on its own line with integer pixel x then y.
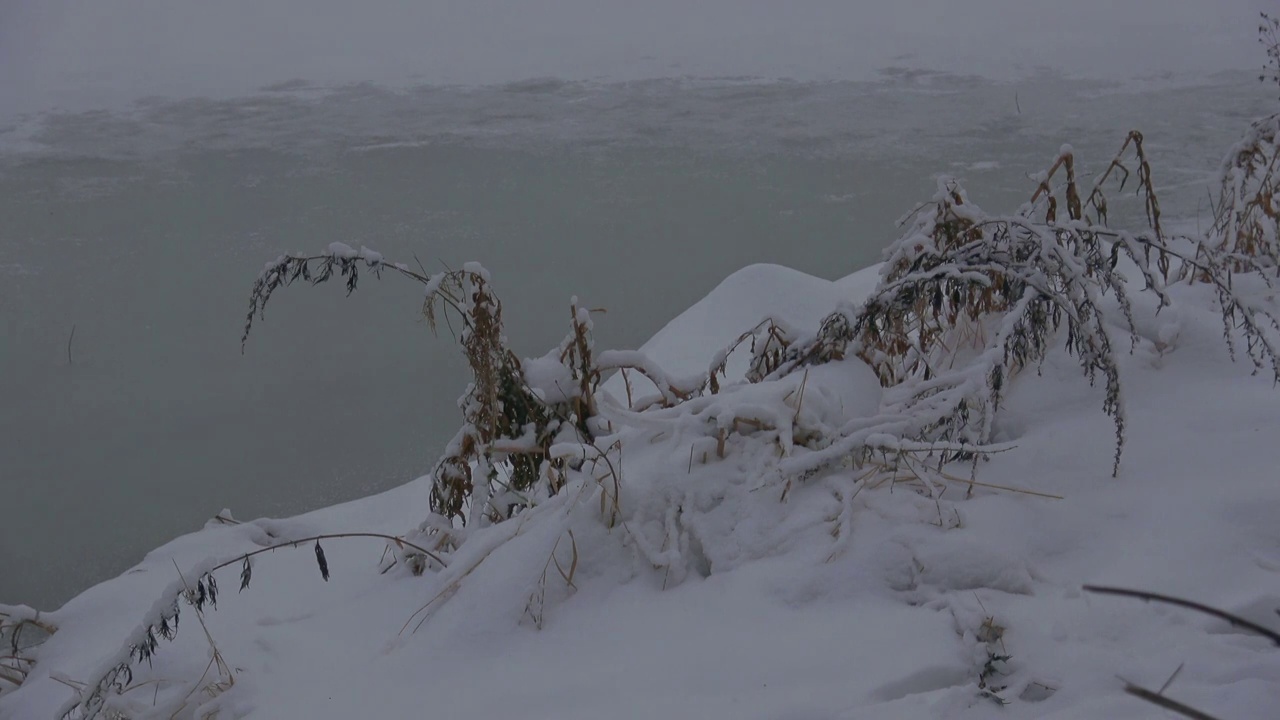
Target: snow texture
{"type": "Point", "coordinates": [343, 251]}
{"type": "Point", "coordinates": [724, 591]}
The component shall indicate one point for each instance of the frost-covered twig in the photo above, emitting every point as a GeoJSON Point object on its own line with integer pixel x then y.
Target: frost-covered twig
{"type": "Point", "coordinates": [1245, 220]}
{"type": "Point", "coordinates": [673, 391]}
{"type": "Point", "coordinates": [162, 621]}
{"type": "Point", "coordinates": [15, 618]}
{"type": "Point", "coordinates": [967, 300]}
{"type": "Point", "coordinates": [241, 559]}
{"type": "Point", "coordinates": [1246, 227]}
{"type": "Point", "coordinates": [16, 662]}
{"type": "Point", "coordinates": [497, 462]}
{"type": "Point", "coordinates": [1015, 283]}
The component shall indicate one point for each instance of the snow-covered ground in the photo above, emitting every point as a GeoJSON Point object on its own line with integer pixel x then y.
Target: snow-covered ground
{"type": "Point", "coordinates": [829, 599]}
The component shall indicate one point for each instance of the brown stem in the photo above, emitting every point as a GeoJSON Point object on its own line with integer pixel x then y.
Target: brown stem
{"type": "Point", "coordinates": [330, 536]}
{"type": "Point", "coordinates": [1156, 698]}
{"type": "Point", "coordinates": [1235, 620]}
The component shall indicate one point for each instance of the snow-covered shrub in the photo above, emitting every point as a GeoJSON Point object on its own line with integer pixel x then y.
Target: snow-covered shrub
{"type": "Point", "coordinates": [21, 628]}
{"type": "Point", "coordinates": [1269, 36]}
{"type": "Point", "coordinates": [499, 462]}
{"type": "Point", "coordinates": [1246, 228]}
{"type": "Point", "coordinates": [507, 426]}
{"type": "Point", "coordinates": [199, 593]}
{"type": "Point", "coordinates": [968, 300]}
{"type": "Point", "coordinates": [1248, 211]}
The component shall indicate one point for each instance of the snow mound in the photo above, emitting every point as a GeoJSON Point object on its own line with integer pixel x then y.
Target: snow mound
{"type": "Point", "coordinates": [716, 587]}
{"type": "Point", "coordinates": [686, 344]}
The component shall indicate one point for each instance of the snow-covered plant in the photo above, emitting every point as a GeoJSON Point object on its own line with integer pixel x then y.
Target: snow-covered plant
{"type": "Point", "coordinates": [21, 629]}
{"type": "Point", "coordinates": [162, 621]}
{"type": "Point", "coordinates": [499, 461]}
{"type": "Point", "coordinates": [1247, 216]}
{"type": "Point", "coordinates": [506, 426]}
{"type": "Point", "coordinates": [513, 412]}
{"type": "Point", "coordinates": [967, 300]}
{"type": "Point", "coordinates": [1246, 228]}
{"type": "Point", "coordinates": [778, 349]}
{"type": "Point", "coordinates": [1269, 36]}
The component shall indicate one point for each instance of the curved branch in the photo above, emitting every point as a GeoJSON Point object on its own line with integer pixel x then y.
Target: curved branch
{"type": "Point", "coordinates": [1234, 620]}
{"type": "Point", "coordinates": [1156, 698]}
{"type": "Point", "coordinates": [296, 543]}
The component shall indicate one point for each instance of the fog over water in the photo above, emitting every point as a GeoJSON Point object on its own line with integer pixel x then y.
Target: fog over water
{"type": "Point", "coordinates": [138, 215]}
{"type": "Point", "coordinates": [77, 54]}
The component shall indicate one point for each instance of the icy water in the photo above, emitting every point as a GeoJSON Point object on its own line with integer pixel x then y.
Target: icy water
{"type": "Point", "coordinates": [129, 241]}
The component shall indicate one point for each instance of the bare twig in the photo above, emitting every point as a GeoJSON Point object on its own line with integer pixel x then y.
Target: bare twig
{"type": "Point", "coordinates": [1234, 620]}
{"type": "Point", "coordinates": [215, 659]}
{"type": "Point", "coordinates": [15, 680]}
{"type": "Point", "coordinates": [800, 401]}
{"type": "Point", "coordinates": [1172, 677]}
{"type": "Point", "coordinates": [1156, 698]}
{"type": "Point", "coordinates": [295, 543]}
{"type": "Point", "coordinates": [974, 483]}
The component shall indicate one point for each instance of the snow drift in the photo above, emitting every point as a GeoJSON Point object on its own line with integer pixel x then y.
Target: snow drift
{"type": "Point", "coordinates": [838, 602]}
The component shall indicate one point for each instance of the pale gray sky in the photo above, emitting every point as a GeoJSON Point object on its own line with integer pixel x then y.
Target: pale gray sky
{"type": "Point", "coordinates": [85, 53]}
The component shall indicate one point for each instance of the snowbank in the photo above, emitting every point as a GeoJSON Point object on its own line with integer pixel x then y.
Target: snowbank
{"type": "Point", "coordinates": [722, 594]}
{"type": "Point", "coordinates": [686, 345]}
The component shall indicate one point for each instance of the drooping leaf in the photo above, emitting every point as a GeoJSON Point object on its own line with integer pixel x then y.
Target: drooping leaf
{"type": "Point", "coordinates": [322, 562]}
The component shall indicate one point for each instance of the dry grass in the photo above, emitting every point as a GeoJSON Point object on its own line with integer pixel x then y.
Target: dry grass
{"type": "Point", "coordinates": [1246, 227]}
{"type": "Point", "coordinates": [224, 678]}
{"type": "Point", "coordinates": [535, 609]}
{"type": "Point", "coordinates": [21, 630]}
{"type": "Point", "coordinates": [968, 300]}
{"type": "Point", "coordinates": [498, 463]}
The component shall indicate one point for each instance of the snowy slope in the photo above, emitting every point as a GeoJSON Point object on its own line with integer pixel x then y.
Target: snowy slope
{"type": "Point", "coordinates": [685, 345]}
{"type": "Point", "coordinates": [832, 603]}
